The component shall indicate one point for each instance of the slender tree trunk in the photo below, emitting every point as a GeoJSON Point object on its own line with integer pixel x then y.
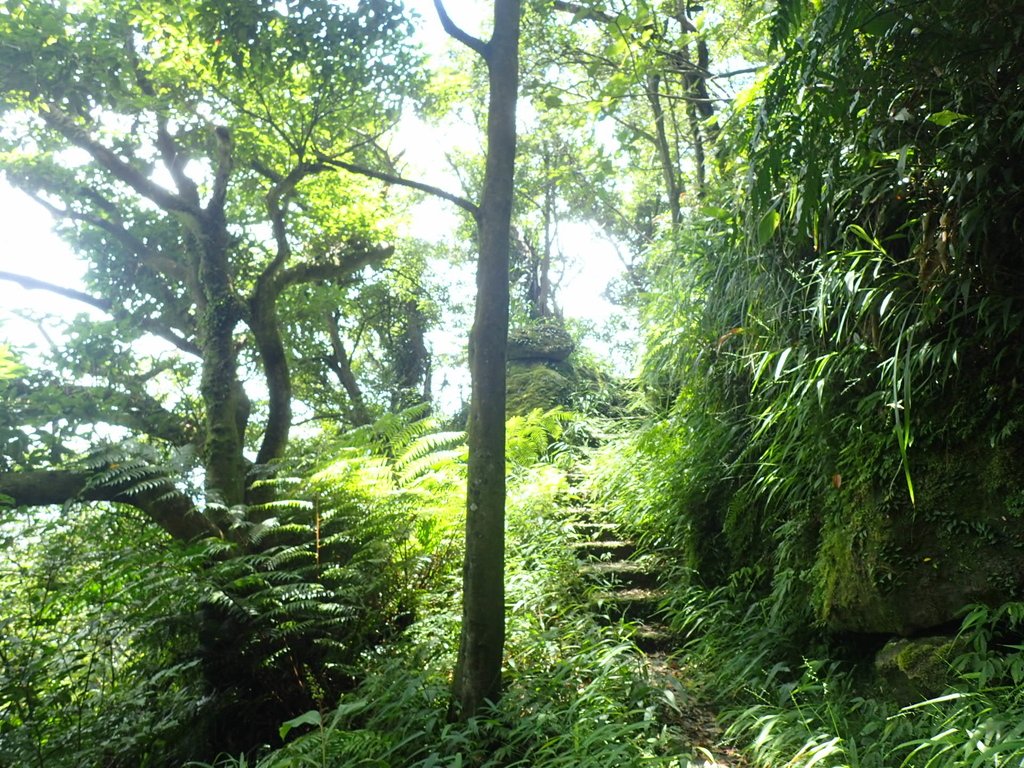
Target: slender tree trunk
{"type": "Point", "coordinates": [544, 301]}
{"type": "Point", "coordinates": [266, 329]}
{"type": "Point", "coordinates": [668, 166]}
{"type": "Point", "coordinates": [358, 413]}
{"type": "Point", "coordinates": [478, 672]}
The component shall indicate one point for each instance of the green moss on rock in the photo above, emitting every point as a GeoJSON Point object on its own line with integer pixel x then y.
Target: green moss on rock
{"type": "Point", "coordinates": [917, 669]}
{"type": "Point", "coordinates": [887, 566]}
{"type": "Point", "coordinates": [546, 341]}
{"type": "Point", "coordinates": [535, 385]}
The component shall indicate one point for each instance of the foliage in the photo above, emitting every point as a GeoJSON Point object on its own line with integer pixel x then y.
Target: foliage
{"type": "Point", "coordinates": [827, 268]}
{"type": "Point", "coordinates": [97, 642]}
{"type": "Point", "coordinates": [842, 306]}
{"type": "Point", "coordinates": [120, 650]}
{"type": "Point", "coordinates": [823, 708]}
{"type": "Point", "coordinates": [575, 692]}
{"type": "Point", "coordinates": [9, 366]}
{"type": "Point", "coordinates": [539, 437]}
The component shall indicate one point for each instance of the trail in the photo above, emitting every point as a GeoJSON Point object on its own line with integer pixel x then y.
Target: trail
{"type": "Point", "coordinates": [626, 586]}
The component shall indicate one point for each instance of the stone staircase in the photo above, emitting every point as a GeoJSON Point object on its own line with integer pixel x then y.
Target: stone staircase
{"type": "Point", "coordinates": [626, 586]}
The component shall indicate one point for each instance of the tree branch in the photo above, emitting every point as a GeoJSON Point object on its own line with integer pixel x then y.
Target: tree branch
{"type": "Point", "coordinates": [308, 273]}
{"type": "Point", "coordinates": [358, 413]}
{"type": "Point", "coordinates": [64, 124]}
{"type": "Point", "coordinates": [389, 178]}
{"type": "Point", "coordinates": [33, 284]}
{"type": "Point", "coordinates": [582, 11]}
{"type": "Point", "coordinates": [163, 503]}
{"type": "Point", "coordinates": [174, 160]}
{"type": "Point", "coordinates": [112, 223]}
{"type": "Point", "coordinates": [223, 165]}
{"type": "Point", "coordinates": [125, 405]}
{"type": "Point", "coordinates": [736, 73]}
{"type": "Point", "coordinates": [461, 35]}
{"type": "Point", "coordinates": [266, 329]}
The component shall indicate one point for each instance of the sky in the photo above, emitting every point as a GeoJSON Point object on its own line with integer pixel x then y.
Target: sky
{"type": "Point", "coordinates": [29, 247]}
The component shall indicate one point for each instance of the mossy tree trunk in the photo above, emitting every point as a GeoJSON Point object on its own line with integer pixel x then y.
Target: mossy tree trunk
{"type": "Point", "coordinates": [223, 396]}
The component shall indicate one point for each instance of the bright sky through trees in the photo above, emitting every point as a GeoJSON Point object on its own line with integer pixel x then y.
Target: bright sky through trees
{"type": "Point", "coordinates": [30, 247]}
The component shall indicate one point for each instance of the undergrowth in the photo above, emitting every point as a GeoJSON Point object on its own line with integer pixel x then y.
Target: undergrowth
{"type": "Point", "coordinates": [576, 692]}
{"type": "Point", "coordinates": [789, 693]}
{"type": "Point", "coordinates": [781, 707]}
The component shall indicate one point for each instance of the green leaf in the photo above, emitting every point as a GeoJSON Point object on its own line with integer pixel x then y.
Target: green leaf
{"type": "Point", "coordinates": [945, 117]}
{"type": "Point", "coordinates": [780, 366]}
{"type": "Point", "coordinates": [766, 229]}
{"type": "Point", "coordinates": [9, 366]}
{"type": "Point", "coordinates": [552, 101]}
{"type": "Point", "coordinates": [308, 718]}
{"type": "Point", "coordinates": [716, 212]}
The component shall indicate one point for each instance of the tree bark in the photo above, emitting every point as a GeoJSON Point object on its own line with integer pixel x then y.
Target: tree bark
{"type": "Point", "coordinates": [171, 510]}
{"type": "Point", "coordinates": [220, 387]}
{"type": "Point", "coordinates": [669, 170]}
{"type": "Point", "coordinates": [266, 331]}
{"type": "Point", "coordinates": [358, 413]}
{"type": "Point", "coordinates": [478, 671]}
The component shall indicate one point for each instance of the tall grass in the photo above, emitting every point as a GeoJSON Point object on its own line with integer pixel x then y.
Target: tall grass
{"type": "Point", "coordinates": [787, 704]}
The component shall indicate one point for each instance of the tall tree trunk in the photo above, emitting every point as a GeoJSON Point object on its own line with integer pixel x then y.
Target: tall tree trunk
{"type": "Point", "coordinates": [478, 671]}
{"type": "Point", "coordinates": [226, 404]}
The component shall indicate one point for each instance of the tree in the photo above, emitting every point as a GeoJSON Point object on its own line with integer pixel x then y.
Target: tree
{"type": "Point", "coordinates": [478, 671]}
{"type": "Point", "coordinates": [186, 151]}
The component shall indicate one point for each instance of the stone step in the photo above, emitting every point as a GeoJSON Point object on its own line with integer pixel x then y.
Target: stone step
{"type": "Point", "coordinates": [621, 573]}
{"type": "Point", "coordinates": [596, 531]}
{"type": "Point", "coordinates": [630, 604]}
{"type": "Point", "coordinates": [604, 550]}
{"type": "Point", "coordinates": [654, 639]}
{"type": "Point", "coordinates": [581, 512]}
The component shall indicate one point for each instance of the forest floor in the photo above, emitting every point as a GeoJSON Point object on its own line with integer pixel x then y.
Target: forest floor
{"type": "Point", "coordinates": [626, 586]}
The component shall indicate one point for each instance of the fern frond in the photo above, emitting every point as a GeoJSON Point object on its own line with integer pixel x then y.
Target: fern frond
{"type": "Point", "coordinates": [434, 464]}
{"type": "Point", "coordinates": [426, 444]}
{"type": "Point", "coordinates": [292, 556]}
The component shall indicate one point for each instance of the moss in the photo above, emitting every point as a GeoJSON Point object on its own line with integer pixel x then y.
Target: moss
{"type": "Point", "coordinates": [912, 670]}
{"type": "Point", "coordinates": [884, 565]}
{"type": "Point", "coordinates": [542, 341]}
{"type": "Point", "coordinates": [533, 386]}
{"type": "Point", "coordinates": [850, 568]}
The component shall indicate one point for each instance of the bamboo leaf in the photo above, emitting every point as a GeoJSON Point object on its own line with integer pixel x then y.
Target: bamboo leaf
{"type": "Point", "coordinates": [766, 228]}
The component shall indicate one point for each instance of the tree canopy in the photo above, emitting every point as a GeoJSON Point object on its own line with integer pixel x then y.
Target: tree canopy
{"type": "Point", "coordinates": [189, 152]}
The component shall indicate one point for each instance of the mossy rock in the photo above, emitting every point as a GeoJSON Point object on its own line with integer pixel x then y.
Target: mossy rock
{"type": "Point", "coordinates": [536, 385]}
{"type": "Point", "coordinates": [912, 670]}
{"type": "Point", "coordinates": [542, 342]}
{"type": "Point", "coordinates": [887, 566]}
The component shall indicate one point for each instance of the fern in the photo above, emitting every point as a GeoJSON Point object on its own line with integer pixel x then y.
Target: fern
{"type": "Point", "coordinates": [535, 436]}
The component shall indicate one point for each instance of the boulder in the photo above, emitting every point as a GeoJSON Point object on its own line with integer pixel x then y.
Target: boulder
{"type": "Point", "coordinates": [542, 342]}
{"type": "Point", "coordinates": [912, 670]}
{"type": "Point", "coordinates": [887, 566]}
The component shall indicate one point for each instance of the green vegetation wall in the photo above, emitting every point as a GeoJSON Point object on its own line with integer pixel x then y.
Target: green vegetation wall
{"type": "Point", "coordinates": [836, 337]}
